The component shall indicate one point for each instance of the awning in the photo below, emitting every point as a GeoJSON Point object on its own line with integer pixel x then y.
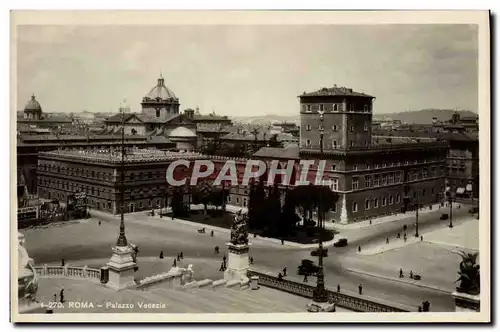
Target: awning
{"type": "Point", "coordinates": [460, 190]}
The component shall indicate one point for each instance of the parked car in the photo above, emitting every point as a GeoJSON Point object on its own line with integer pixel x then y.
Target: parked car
{"type": "Point", "coordinates": [315, 252]}
{"type": "Point", "coordinates": [444, 216]}
{"type": "Point", "coordinates": [341, 243]}
{"type": "Point", "coordinates": [307, 266]}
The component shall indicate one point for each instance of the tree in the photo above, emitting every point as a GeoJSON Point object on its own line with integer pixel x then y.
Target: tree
{"type": "Point", "coordinates": [273, 141]}
{"type": "Point", "coordinates": [288, 217]}
{"type": "Point", "coordinates": [177, 203]}
{"type": "Point", "coordinates": [273, 211]}
{"type": "Point", "coordinates": [314, 198]}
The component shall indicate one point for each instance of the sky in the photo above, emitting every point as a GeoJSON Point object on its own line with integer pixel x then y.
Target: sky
{"type": "Point", "coordinates": [247, 70]}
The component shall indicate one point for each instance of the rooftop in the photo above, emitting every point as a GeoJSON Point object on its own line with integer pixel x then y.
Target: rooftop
{"type": "Point", "coordinates": [160, 92]}
{"type": "Point", "coordinates": [335, 91]}
{"type": "Point", "coordinates": [33, 105]}
{"type": "Point", "coordinates": [131, 155]}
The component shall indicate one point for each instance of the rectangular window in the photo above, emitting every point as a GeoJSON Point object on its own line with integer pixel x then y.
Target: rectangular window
{"type": "Point", "coordinates": [308, 127]}
{"type": "Point", "coordinates": [354, 207]}
{"type": "Point", "coordinates": [352, 128]}
{"type": "Point", "coordinates": [376, 166]}
{"type": "Point", "coordinates": [335, 184]}
{"type": "Point", "coordinates": [376, 181]}
{"type": "Point", "coordinates": [351, 143]}
{"type": "Point", "coordinates": [355, 183]}
{"type": "Point", "coordinates": [367, 166]}
{"type": "Point", "coordinates": [424, 173]}
{"type": "Point", "coordinates": [354, 167]}
{"type": "Point", "coordinates": [244, 202]}
{"type": "Point", "coordinates": [384, 165]}
{"type": "Point", "coordinates": [375, 202]}
{"type": "Point", "coordinates": [334, 144]}
{"type": "Point", "coordinates": [308, 108]}
{"type": "Point", "coordinates": [321, 127]}
{"type": "Point", "coordinates": [391, 178]}
{"type": "Point", "coordinates": [397, 177]}
{"type": "Point", "coordinates": [308, 142]}
{"type": "Point", "coordinates": [367, 204]}
{"type": "Point", "coordinates": [384, 179]}
{"type": "Point", "coordinates": [368, 181]}
{"type": "Point", "coordinates": [237, 200]}
{"type": "Point", "coordinates": [398, 198]}
{"type": "Point", "coordinates": [391, 200]}
{"type": "Point", "coordinates": [384, 201]}
{"type": "Point", "coordinates": [333, 167]}
{"type": "Point", "coordinates": [335, 128]}
{"type": "Point", "coordinates": [321, 107]}
{"type": "Point", "coordinates": [366, 108]}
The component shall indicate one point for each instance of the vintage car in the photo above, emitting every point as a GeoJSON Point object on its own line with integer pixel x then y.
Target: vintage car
{"type": "Point", "coordinates": [444, 216]}
{"type": "Point", "coordinates": [341, 243]}
{"type": "Point", "coordinates": [307, 267]}
{"type": "Point", "coordinates": [315, 252]}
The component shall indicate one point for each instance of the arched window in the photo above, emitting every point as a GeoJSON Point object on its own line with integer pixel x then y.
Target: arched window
{"type": "Point", "coordinates": [157, 112]}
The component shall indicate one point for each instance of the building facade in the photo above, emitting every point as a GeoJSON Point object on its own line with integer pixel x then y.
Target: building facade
{"type": "Point", "coordinates": [374, 175]}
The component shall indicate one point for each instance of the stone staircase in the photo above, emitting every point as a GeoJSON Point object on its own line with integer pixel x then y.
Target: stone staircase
{"type": "Point", "coordinates": [176, 300]}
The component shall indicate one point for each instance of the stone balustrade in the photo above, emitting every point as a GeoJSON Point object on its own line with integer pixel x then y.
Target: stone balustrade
{"type": "Point", "coordinates": [342, 300]}
{"type": "Point", "coordinates": [67, 271]}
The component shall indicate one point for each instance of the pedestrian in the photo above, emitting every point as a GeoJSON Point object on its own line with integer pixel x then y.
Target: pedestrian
{"type": "Point", "coordinates": [401, 273]}
{"type": "Point", "coordinates": [360, 289]}
{"type": "Point", "coordinates": [175, 263]}
{"type": "Point", "coordinates": [338, 288]}
{"type": "Point", "coordinates": [55, 298]}
{"type": "Point", "coordinates": [172, 216]}
{"type": "Point", "coordinates": [212, 233]}
{"type": "Point", "coordinates": [251, 260]}
{"type": "Point", "coordinates": [370, 221]}
{"type": "Point", "coordinates": [421, 238]}
{"type": "Point", "coordinates": [284, 271]}
{"type": "Point", "coordinates": [224, 258]}
{"type": "Point", "coordinates": [161, 254]}
{"type": "Point", "coordinates": [305, 277]}
{"type": "Point", "coordinates": [178, 257]}
{"type": "Point", "coordinates": [387, 240]}
{"type": "Point", "coordinates": [404, 227]}
{"type": "Point", "coordinates": [62, 262]}
{"type": "Point", "coordinates": [405, 238]}
{"type": "Point", "coordinates": [99, 223]}
{"type": "Point", "coordinates": [182, 255]}
{"type": "Point", "coordinates": [399, 235]}
{"type": "Point", "coordinates": [359, 248]}
{"type": "Point", "coordinates": [280, 276]}
{"type": "Point", "coordinates": [221, 267]}
{"type": "Point", "coordinates": [61, 296]}
{"type": "Point", "coordinates": [216, 249]}
{"type": "Point", "coordinates": [282, 242]}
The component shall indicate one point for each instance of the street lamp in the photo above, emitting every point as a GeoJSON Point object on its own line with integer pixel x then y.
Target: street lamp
{"type": "Point", "coordinates": [319, 294]}
{"type": "Point", "coordinates": [416, 222]}
{"type": "Point", "coordinates": [450, 201]}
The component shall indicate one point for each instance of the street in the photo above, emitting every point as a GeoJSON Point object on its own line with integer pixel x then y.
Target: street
{"type": "Point", "coordinates": [87, 240]}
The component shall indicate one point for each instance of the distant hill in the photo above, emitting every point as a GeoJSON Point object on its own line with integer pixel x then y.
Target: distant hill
{"type": "Point", "coordinates": [423, 116]}
{"type": "Point", "coordinates": [265, 119]}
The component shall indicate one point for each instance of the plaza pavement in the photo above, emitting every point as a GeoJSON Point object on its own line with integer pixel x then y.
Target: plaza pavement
{"type": "Point", "coordinates": [87, 240]}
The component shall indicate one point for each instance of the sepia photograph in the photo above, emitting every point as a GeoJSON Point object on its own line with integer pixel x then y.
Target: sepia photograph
{"type": "Point", "coordinates": [244, 166]}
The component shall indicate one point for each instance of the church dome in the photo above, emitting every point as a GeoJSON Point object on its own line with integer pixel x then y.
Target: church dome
{"type": "Point", "coordinates": [33, 105]}
{"type": "Point", "coordinates": [182, 132]}
{"type": "Point", "coordinates": [160, 91]}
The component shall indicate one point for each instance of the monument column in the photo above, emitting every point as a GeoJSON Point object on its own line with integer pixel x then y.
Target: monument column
{"type": "Point", "coordinates": [237, 260]}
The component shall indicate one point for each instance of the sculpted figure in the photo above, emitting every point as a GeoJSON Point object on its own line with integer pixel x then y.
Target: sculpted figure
{"type": "Point", "coordinates": [239, 230]}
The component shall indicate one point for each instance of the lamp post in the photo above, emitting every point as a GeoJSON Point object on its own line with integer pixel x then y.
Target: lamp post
{"type": "Point", "coordinates": [450, 201]}
{"type": "Point", "coordinates": [416, 214]}
{"type": "Point", "coordinates": [319, 294]}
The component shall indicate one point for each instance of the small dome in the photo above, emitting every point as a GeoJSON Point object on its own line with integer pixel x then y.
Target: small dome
{"type": "Point", "coordinates": [33, 105]}
{"type": "Point", "coordinates": [160, 91]}
{"type": "Point", "coordinates": [182, 132]}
